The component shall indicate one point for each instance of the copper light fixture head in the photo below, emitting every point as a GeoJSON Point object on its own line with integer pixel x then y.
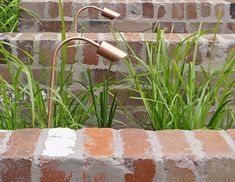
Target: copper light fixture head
{"type": "Point", "coordinates": [110, 52]}
{"type": "Point", "coordinates": [110, 14]}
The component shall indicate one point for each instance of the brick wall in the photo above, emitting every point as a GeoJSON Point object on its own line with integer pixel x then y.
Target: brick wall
{"type": "Point", "coordinates": [136, 16]}
{"type": "Point", "coordinates": [107, 155]}
{"type": "Point", "coordinates": [41, 47]}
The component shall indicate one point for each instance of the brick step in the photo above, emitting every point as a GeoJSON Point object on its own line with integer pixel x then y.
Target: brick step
{"type": "Point", "coordinates": [41, 46]}
{"type": "Point", "coordinates": [136, 16]}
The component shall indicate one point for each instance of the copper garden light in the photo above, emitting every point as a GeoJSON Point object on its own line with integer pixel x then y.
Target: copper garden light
{"type": "Point", "coordinates": [104, 49]}
{"type": "Point", "coordinates": [108, 13]}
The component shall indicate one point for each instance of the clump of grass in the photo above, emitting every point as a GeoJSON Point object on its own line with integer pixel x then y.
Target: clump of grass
{"type": "Point", "coordinates": [9, 15]}
{"type": "Point", "coordinates": [23, 103]}
{"type": "Point", "coordinates": [100, 103]}
{"type": "Point", "coordinates": [171, 93]}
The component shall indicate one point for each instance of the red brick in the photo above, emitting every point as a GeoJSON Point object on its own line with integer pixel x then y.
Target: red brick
{"type": "Point", "coordinates": [25, 47]}
{"type": "Point", "coordinates": [54, 9]}
{"type": "Point", "coordinates": [178, 11]}
{"type": "Point", "coordinates": [139, 147]}
{"type": "Point", "coordinates": [231, 27]}
{"type": "Point", "coordinates": [191, 11]}
{"type": "Point", "coordinates": [148, 10]}
{"type": "Point", "coordinates": [132, 26]}
{"type": "Point", "coordinates": [21, 145]}
{"type": "Point", "coordinates": [5, 73]}
{"type": "Point", "coordinates": [50, 172]}
{"type": "Point", "coordinates": [99, 142]}
{"type": "Point", "coordinates": [219, 169]}
{"type": "Point", "coordinates": [213, 144]}
{"type": "Point", "coordinates": [161, 12]}
{"type": "Point", "coordinates": [89, 55]}
{"type": "Point", "coordinates": [174, 143]}
{"type": "Point", "coordinates": [121, 9]}
{"type": "Point", "coordinates": [219, 10]}
{"type": "Point", "coordinates": [89, 51]}
{"type": "Point", "coordinates": [16, 161]}
{"type": "Point", "coordinates": [136, 46]}
{"type": "Point", "coordinates": [143, 171]}
{"type": "Point", "coordinates": [15, 169]}
{"type": "Point", "coordinates": [53, 26]}
{"type": "Point", "coordinates": [68, 9]}
{"type": "Point", "coordinates": [47, 48]}
{"type": "Point", "coordinates": [37, 8]}
{"type": "Point", "coordinates": [205, 10]}
{"type": "Point", "coordinates": [176, 173]}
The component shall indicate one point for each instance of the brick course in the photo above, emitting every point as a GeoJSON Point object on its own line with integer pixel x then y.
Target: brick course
{"type": "Point", "coordinates": [105, 155]}
{"type": "Point", "coordinates": [135, 16]}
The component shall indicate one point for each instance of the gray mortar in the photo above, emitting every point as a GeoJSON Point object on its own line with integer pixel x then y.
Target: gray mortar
{"type": "Point", "coordinates": [35, 169]}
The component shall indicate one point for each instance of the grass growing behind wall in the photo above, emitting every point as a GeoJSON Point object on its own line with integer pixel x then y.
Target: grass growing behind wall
{"type": "Point", "coordinates": [172, 94]}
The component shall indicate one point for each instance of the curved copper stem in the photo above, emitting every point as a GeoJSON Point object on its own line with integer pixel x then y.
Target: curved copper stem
{"type": "Point", "coordinates": [79, 11]}
{"type": "Point", "coordinates": [53, 72]}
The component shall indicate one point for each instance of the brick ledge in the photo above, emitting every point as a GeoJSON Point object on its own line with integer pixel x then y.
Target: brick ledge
{"type": "Point", "coordinates": [93, 154]}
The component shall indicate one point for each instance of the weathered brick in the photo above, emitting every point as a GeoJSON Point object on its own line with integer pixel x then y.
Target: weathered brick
{"type": "Point", "coordinates": [143, 170]}
{"type": "Point", "coordinates": [175, 172]}
{"type": "Point", "coordinates": [16, 162]}
{"type": "Point", "coordinates": [191, 11]}
{"type": "Point", "coordinates": [50, 172]}
{"type": "Point", "coordinates": [99, 142]}
{"type": "Point", "coordinates": [139, 148]}
{"type": "Point", "coordinates": [174, 143]}
{"type": "Point", "coordinates": [132, 26]}
{"type": "Point", "coordinates": [232, 10]}
{"type": "Point", "coordinates": [53, 9]}
{"type": "Point", "coordinates": [148, 10]}
{"type": "Point", "coordinates": [25, 51]}
{"type": "Point", "coordinates": [205, 10]}
{"type": "Point", "coordinates": [219, 10]}
{"type": "Point", "coordinates": [231, 26]}
{"type": "Point", "coordinates": [178, 11]}
{"type": "Point", "coordinates": [213, 144]}
{"type": "Point", "coordinates": [161, 11]}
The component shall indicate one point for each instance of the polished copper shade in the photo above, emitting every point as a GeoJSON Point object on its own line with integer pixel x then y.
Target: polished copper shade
{"type": "Point", "coordinates": [108, 13]}
{"type": "Point", "coordinates": [104, 49]}
{"type": "Point", "coordinates": [110, 52]}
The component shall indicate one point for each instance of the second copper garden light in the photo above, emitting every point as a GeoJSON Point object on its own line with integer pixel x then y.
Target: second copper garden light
{"type": "Point", "coordinates": [108, 13]}
{"type": "Point", "coordinates": [104, 49]}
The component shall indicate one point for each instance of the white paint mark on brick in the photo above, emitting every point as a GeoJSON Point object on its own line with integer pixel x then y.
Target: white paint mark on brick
{"type": "Point", "coordinates": [60, 142]}
{"type": "Point", "coordinates": [228, 139]}
{"type": "Point", "coordinates": [4, 141]}
{"type": "Point", "coordinates": [195, 144]}
{"type": "Point", "coordinates": [118, 144]}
